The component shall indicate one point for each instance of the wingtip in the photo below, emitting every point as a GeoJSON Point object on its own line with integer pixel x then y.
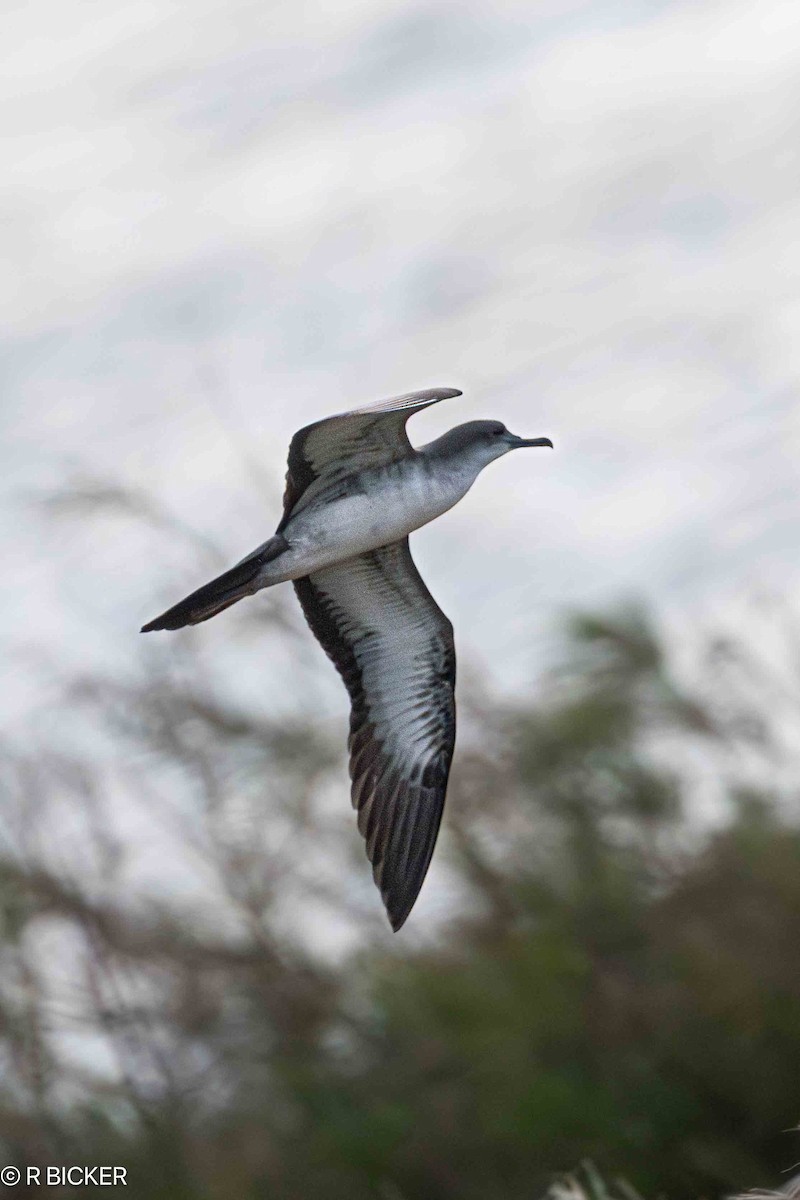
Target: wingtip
{"type": "Point", "coordinates": [399, 915]}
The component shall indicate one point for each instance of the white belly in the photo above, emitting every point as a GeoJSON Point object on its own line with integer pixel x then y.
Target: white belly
{"type": "Point", "coordinates": [393, 503]}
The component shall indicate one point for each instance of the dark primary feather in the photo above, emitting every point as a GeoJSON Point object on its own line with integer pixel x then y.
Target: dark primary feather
{"type": "Point", "coordinates": [337, 446]}
{"type": "Point", "coordinates": [393, 647]}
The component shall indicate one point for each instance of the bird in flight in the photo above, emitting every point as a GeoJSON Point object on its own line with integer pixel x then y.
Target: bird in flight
{"type": "Point", "coordinates": [355, 489]}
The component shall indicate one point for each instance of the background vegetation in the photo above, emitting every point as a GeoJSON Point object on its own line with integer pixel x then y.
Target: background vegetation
{"type": "Point", "coordinates": [611, 973]}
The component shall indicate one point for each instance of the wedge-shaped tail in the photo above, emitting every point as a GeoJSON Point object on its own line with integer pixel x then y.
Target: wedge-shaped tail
{"type": "Point", "coordinates": [226, 589]}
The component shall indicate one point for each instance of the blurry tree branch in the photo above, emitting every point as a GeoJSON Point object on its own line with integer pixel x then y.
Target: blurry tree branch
{"type": "Point", "coordinates": [196, 979]}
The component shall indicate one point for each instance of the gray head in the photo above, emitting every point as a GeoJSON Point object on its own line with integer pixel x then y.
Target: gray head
{"type": "Point", "coordinates": [481, 442]}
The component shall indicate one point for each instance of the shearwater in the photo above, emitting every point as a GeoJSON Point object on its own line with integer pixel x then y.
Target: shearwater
{"type": "Point", "coordinates": [355, 489]}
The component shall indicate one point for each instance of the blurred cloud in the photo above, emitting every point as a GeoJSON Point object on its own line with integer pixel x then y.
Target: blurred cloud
{"type": "Point", "coordinates": [219, 226]}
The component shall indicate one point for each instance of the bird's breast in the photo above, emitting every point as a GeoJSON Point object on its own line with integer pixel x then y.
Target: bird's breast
{"type": "Point", "coordinates": [371, 510]}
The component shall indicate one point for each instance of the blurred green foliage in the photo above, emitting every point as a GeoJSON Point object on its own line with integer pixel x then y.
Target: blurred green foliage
{"type": "Point", "coordinates": [614, 979]}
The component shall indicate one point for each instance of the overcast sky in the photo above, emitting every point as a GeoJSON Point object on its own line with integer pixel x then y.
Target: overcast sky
{"type": "Point", "coordinates": [222, 221]}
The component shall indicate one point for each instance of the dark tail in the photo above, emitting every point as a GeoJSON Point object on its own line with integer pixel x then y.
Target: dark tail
{"type": "Point", "coordinates": [223, 591]}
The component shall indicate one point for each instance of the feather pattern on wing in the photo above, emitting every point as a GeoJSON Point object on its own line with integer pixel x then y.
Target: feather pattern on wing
{"type": "Point", "coordinates": [335, 447]}
{"type": "Point", "coordinates": [393, 647]}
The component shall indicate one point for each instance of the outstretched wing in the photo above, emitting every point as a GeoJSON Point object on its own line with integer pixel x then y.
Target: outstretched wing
{"type": "Point", "coordinates": [335, 447]}
{"type": "Point", "coordinates": [393, 647]}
